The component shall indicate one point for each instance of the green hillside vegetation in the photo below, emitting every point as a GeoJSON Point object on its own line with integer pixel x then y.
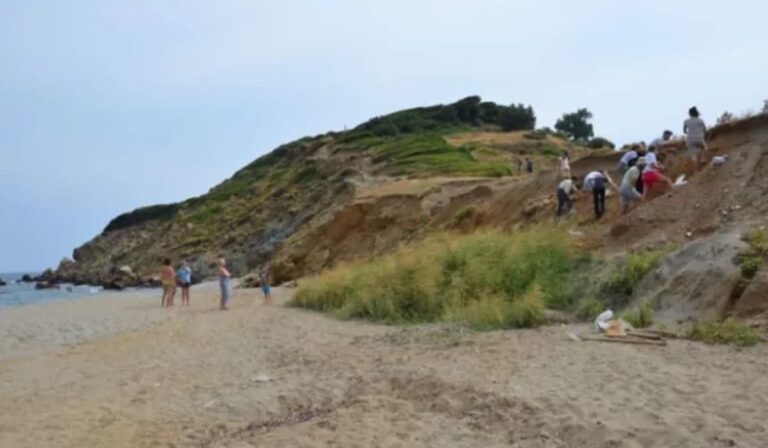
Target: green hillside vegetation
{"type": "Point", "coordinates": [408, 142]}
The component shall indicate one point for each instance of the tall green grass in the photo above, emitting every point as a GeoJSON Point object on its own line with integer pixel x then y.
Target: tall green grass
{"type": "Point", "coordinates": [729, 331]}
{"type": "Point", "coordinates": [630, 271]}
{"type": "Point", "coordinates": [487, 280]}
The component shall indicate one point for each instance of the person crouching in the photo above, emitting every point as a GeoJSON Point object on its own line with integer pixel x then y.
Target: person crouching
{"type": "Point", "coordinates": [565, 190]}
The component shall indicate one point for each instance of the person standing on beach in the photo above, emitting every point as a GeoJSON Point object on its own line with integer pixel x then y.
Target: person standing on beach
{"type": "Point", "coordinates": [168, 279]}
{"type": "Point", "coordinates": [184, 277]}
{"type": "Point", "coordinates": [265, 282]}
{"type": "Point", "coordinates": [695, 133]}
{"type": "Point", "coordinates": [223, 283]}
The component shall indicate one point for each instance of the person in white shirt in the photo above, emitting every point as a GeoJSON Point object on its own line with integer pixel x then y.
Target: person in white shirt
{"type": "Point", "coordinates": [565, 190]}
{"type": "Point", "coordinates": [595, 182]}
{"type": "Point", "coordinates": [695, 134]}
{"type": "Point", "coordinates": [660, 141]}
{"type": "Point", "coordinates": [627, 159]}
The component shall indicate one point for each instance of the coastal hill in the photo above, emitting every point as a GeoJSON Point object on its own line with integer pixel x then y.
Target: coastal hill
{"type": "Point", "coordinates": [336, 196]}
{"type": "Point", "coordinates": [342, 196]}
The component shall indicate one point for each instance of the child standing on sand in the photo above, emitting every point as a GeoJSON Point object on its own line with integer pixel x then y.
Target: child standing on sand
{"type": "Point", "coordinates": [184, 277]}
{"type": "Point", "coordinates": [223, 283]}
{"type": "Point", "coordinates": [168, 279]}
{"type": "Point", "coordinates": [265, 281]}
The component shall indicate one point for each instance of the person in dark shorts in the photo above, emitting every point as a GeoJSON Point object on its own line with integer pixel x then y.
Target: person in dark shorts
{"type": "Point", "coordinates": [184, 280]}
{"type": "Point", "coordinates": [528, 165]}
{"type": "Point", "coordinates": [596, 182]}
{"type": "Point", "coordinates": [265, 282]}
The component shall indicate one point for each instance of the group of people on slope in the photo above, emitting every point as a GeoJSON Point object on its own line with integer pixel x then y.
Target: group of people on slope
{"type": "Point", "coordinates": [182, 278]}
{"type": "Point", "coordinates": [640, 171]}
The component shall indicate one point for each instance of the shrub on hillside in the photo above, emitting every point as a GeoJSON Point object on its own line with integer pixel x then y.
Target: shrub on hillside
{"type": "Point", "coordinates": [641, 317]}
{"type": "Point", "coordinates": [141, 215]}
{"type": "Point", "coordinates": [488, 280]}
{"type": "Point", "coordinates": [752, 257]}
{"type": "Point", "coordinates": [630, 271]}
{"type": "Point", "coordinates": [468, 109]}
{"type": "Point", "coordinates": [600, 143]}
{"type": "Point", "coordinates": [517, 118]}
{"type": "Point", "coordinates": [589, 308]}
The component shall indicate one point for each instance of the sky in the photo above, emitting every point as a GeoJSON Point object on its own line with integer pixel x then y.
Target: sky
{"type": "Point", "coordinates": [106, 106]}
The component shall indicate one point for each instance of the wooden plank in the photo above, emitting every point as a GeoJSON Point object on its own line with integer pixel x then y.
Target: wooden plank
{"type": "Point", "coordinates": [645, 335]}
{"type": "Point", "coordinates": [623, 340]}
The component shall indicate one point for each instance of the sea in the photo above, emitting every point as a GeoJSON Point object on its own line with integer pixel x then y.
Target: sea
{"type": "Point", "coordinates": [16, 293]}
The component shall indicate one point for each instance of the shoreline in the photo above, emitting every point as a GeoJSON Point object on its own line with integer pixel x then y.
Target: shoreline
{"type": "Point", "coordinates": [36, 328]}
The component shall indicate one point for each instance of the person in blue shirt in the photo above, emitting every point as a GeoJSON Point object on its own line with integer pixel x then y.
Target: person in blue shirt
{"type": "Point", "coordinates": [184, 279]}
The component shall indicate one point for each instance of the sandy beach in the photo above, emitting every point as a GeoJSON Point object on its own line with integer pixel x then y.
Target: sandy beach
{"type": "Point", "coordinates": [118, 371]}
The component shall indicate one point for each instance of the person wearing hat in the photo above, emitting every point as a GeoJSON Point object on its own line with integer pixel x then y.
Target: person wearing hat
{"type": "Point", "coordinates": [627, 191]}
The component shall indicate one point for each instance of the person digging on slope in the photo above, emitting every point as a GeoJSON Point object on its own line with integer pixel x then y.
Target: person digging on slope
{"type": "Point", "coordinates": [565, 190]}
{"type": "Point", "coordinates": [627, 191]}
{"type": "Point", "coordinates": [595, 182]}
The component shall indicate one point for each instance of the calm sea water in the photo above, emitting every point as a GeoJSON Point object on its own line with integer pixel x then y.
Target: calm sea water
{"type": "Point", "coordinates": [14, 294]}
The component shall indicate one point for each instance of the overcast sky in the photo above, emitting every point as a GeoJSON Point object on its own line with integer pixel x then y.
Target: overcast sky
{"type": "Point", "coordinates": [106, 106]}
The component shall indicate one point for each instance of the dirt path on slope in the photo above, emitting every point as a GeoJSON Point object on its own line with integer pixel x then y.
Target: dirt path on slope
{"type": "Point", "coordinates": [278, 377]}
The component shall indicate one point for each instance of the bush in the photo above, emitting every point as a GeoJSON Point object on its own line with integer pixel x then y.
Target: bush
{"type": "Point", "coordinates": [629, 273]}
{"type": "Point", "coordinates": [589, 309]}
{"type": "Point", "coordinates": [751, 258]}
{"type": "Point", "coordinates": [487, 280]}
{"type": "Point", "coordinates": [495, 312]}
{"type": "Point", "coordinates": [642, 317]}
{"type": "Point", "coordinates": [142, 215]}
{"type": "Point", "coordinates": [728, 331]}
{"type": "Point", "coordinates": [517, 118]}
{"type": "Point", "coordinates": [599, 143]}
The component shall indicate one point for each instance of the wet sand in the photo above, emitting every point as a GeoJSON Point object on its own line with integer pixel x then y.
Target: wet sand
{"type": "Point", "coordinates": [121, 372]}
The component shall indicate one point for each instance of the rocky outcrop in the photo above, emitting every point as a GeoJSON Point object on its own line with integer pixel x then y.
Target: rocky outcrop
{"type": "Point", "coordinates": [698, 281]}
{"type": "Point", "coordinates": [46, 285]}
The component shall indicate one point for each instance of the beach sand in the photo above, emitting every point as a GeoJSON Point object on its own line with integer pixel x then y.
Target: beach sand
{"type": "Point", "coordinates": [121, 372]}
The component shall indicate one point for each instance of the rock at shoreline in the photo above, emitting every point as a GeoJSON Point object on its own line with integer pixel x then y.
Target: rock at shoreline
{"type": "Point", "coordinates": [26, 278]}
{"type": "Point", "coordinates": [2, 282]}
{"type": "Point", "coordinates": [46, 285]}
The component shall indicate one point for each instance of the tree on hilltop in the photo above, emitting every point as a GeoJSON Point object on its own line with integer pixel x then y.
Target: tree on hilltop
{"type": "Point", "coordinates": [576, 125]}
{"type": "Point", "coordinates": [517, 118]}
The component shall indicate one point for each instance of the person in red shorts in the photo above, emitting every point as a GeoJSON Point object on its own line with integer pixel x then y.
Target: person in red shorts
{"type": "Point", "coordinates": [654, 181]}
